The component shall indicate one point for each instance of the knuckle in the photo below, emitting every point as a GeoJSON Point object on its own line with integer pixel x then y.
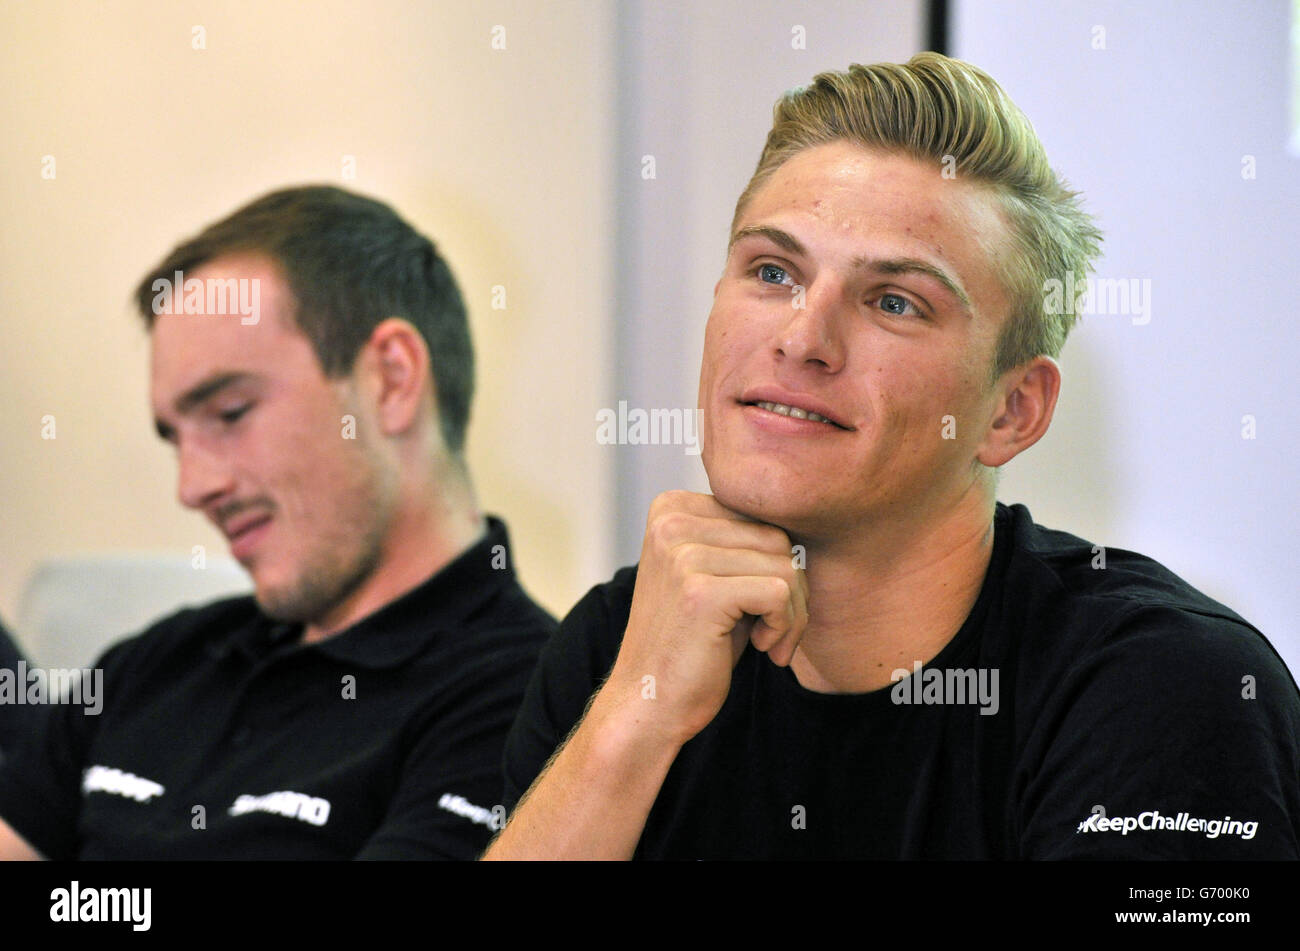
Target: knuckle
{"type": "Point", "coordinates": [664, 528]}
{"type": "Point", "coordinates": [788, 572]}
{"type": "Point", "coordinates": [687, 555]}
{"type": "Point", "coordinates": [780, 589]}
{"type": "Point", "coordinates": [660, 504]}
{"type": "Point", "coordinates": [775, 538]}
{"type": "Point", "coordinates": [694, 589]}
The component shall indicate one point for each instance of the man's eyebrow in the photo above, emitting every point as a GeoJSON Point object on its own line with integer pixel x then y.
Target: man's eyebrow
{"type": "Point", "coordinates": [197, 395]}
{"type": "Point", "coordinates": [788, 242]}
{"type": "Point", "coordinates": [782, 239]}
{"type": "Point", "coordinates": [201, 392]}
{"type": "Point", "coordinates": [913, 266]}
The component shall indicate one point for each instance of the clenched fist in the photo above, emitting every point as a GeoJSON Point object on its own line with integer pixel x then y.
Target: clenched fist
{"type": "Point", "coordinates": [709, 581]}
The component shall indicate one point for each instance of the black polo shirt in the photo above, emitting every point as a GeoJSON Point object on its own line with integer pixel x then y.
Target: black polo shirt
{"type": "Point", "coordinates": [222, 736]}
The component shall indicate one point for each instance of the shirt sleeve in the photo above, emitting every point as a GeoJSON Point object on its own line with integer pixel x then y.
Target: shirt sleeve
{"type": "Point", "coordinates": [40, 783]}
{"type": "Point", "coordinates": [447, 802]}
{"type": "Point", "coordinates": [573, 664]}
{"type": "Point", "coordinates": [15, 718]}
{"type": "Point", "coordinates": [1176, 737]}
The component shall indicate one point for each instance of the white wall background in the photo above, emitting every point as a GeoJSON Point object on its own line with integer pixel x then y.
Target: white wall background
{"type": "Point", "coordinates": [1146, 451]}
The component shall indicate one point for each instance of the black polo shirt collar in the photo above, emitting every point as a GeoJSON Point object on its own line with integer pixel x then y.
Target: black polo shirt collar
{"type": "Point", "coordinates": [400, 629]}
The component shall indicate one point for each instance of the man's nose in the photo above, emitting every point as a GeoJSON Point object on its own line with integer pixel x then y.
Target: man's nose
{"type": "Point", "coordinates": [203, 475]}
{"type": "Point", "coordinates": [813, 334]}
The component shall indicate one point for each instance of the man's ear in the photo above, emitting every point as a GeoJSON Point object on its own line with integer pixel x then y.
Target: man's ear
{"type": "Point", "coordinates": [395, 362]}
{"type": "Point", "coordinates": [1023, 411]}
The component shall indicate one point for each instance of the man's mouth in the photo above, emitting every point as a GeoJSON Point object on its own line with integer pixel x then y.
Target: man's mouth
{"type": "Point", "coordinates": [244, 534]}
{"type": "Point", "coordinates": [794, 412]}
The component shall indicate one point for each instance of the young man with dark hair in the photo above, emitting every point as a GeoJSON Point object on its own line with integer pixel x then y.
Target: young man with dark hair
{"type": "Point", "coordinates": [943, 677]}
{"type": "Point", "coordinates": [312, 369]}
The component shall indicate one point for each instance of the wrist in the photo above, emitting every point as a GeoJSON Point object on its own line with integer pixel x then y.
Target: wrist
{"type": "Point", "coordinates": [627, 718]}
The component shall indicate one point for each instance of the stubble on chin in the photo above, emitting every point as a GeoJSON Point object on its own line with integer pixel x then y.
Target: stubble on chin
{"type": "Point", "coordinates": [322, 586]}
{"type": "Point", "coordinates": [770, 504]}
{"type": "Point", "coordinates": [341, 562]}
{"type": "Point", "coordinates": [746, 497]}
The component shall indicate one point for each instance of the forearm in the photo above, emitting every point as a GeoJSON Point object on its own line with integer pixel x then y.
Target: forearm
{"type": "Point", "coordinates": [13, 847]}
{"type": "Point", "coordinates": [592, 800]}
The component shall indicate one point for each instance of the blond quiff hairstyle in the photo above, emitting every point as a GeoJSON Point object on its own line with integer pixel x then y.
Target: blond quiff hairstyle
{"type": "Point", "coordinates": [943, 110]}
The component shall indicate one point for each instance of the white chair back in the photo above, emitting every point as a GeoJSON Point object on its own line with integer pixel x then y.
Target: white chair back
{"type": "Point", "coordinates": [72, 608]}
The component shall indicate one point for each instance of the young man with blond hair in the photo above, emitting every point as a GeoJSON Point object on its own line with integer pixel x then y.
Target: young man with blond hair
{"type": "Point", "coordinates": [943, 677]}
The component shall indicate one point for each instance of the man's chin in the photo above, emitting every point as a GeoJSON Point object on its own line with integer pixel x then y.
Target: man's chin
{"type": "Point", "coordinates": [792, 505]}
{"type": "Point", "coordinates": [758, 488]}
{"type": "Point", "coordinates": [764, 506]}
{"type": "Point", "coordinates": [278, 610]}
{"type": "Point", "coordinates": [283, 605]}
{"type": "Point", "coordinates": [311, 594]}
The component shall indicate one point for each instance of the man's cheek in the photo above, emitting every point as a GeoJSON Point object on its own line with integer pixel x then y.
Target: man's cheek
{"type": "Point", "coordinates": [293, 500]}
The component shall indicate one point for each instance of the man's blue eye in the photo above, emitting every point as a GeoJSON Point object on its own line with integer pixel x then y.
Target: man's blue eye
{"type": "Point", "coordinates": [771, 274]}
{"type": "Point", "coordinates": [895, 304]}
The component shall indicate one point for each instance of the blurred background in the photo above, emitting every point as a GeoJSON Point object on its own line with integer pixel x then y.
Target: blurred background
{"type": "Point", "coordinates": [585, 157]}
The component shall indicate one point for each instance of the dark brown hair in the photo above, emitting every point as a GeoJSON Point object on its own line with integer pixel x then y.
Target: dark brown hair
{"type": "Point", "coordinates": [350, 262]}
